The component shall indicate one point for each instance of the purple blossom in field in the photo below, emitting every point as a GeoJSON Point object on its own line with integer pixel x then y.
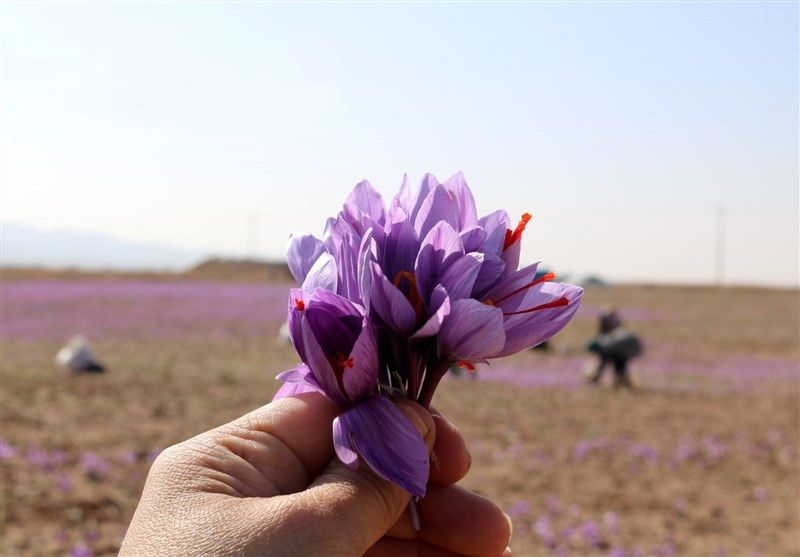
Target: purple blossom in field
{"type": "Point", "coordinates": [64, 482]}
{"type": "Point", "coordinates": [644, 451]}
{"type": "Point", "coordinates": [760, 493]}
{"type": "Point", "coordinates": [553, 505]}
{"type": "Point", "coordinates": [152, 454]}
{"type": "Point", "coordinates": [544, 530]}
{"type": "Point", "coordinates": [617, 552]}
{"type": "Point", "coordinates": [81, 550]}
{"type": "Point", "coordinates": [94, 465]}
{"type": "Point", "coordinates": [128, 457]}
{"type": "Point", "coordinates": [430, 283]}
{"type": "Point", "coordinates": [611, 522]}
{"type": "Point", "coordinates": [561, 550]}
{"type": "Point", "coordinates": [45, 309]}
{"type": "Point", "coordinates": [590, 532]}
{"type": "Point", "coordinates": [714, 448]}
{"type": "Point", "coordinates": [39, 457]}
{"type": "Point", "coordinates": [519, 509]}
{"type": "Point", "coordinates": [7, 451]}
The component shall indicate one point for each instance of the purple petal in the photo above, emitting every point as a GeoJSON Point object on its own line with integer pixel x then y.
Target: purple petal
{"type": "Point", "coordinates": [295, 316]}
{"type": "Point", "coordinates": [296, 381]}
{"type": "Point", "coordinates": [410, 198]}
{"type": "Point", "coordinates": [510, 257]}
{"type": "Point", "coordinates": [490, 271]}
{"type": "Point", "coordinates": [335, 321]}
{"type": "Point", "coordinates": [473, 238]}
{"type": "Point", "coordinates": [503, 289]}
{"type": "Point", "coordinates": [387, 441]}
{"type": "Point", "coordinates": [439, 206]}
{"type": "Point", "coordinates": [362, 378]}
{"type": "Point", "coordinates": [321, 275]}
{"type": "Point", "coordinates": [495, 224]}
{"type": "Point", "coordinates": [302, 253]}
{"type": "Point", "coordinates": [399, 249]}
{"type": "Point", "coordinates": [459, 277]}
{"type": "Point", "coordinates": [457, 186]}
{"type": "Point", "coordinates": [529, 329]}
{"type": "Point", "coordinates": [291, 389]}
{"type": "Point", "coordinates": [320, 367]}
{"type": "Point", "coordinates": [473, 331]}
{"type": "Point", "coordinates": [389, 304]}
{"type": "Point", "coordinates": [367, 253]}
{"type": "Point", "coordinates": [440, 309]}
{"type": "Point", "coordinates": [440, 248]}
{"type": "Point", "coordinates": [365, 201]}
{"type": "Point", "coordinates": [343, 242]}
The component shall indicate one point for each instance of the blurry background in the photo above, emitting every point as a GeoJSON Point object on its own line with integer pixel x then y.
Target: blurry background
{"type": "Point", "coordinates": [154, 159]}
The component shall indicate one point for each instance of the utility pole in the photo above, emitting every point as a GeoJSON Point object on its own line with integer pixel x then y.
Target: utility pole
{"type": "Point", "coordinates": [719, 246]}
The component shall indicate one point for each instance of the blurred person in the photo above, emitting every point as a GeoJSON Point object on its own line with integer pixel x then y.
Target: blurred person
{"type": "Point", "coordinates": [76, 357]}
{"type": "Point", "coordinates": [268, 483]}
{"type": "Point", "coordinates": [613, 345]}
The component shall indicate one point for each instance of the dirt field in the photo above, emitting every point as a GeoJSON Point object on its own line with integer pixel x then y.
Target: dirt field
{"type": "Point", "coordinates": [701, 459]}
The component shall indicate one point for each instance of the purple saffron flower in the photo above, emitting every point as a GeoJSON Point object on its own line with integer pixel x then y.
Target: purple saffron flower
{"type": "Point", "coordinates": [340, 356]}
{"type": "Point", "coordinates": [94, 465]}
{"type": "Point", "coordinates": [81, 550]}
{"type": "Point", "coordinates": [431, 284]}
{"type": "Point", "coordinates": [7, 451]}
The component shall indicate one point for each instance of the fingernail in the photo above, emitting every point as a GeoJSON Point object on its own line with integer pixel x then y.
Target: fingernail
{"type": "Point", "coordinates": [507, 553]}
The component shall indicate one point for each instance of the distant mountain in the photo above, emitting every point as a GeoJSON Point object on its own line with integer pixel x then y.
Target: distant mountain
{"type": "Point", "coordinates": [23, 245]}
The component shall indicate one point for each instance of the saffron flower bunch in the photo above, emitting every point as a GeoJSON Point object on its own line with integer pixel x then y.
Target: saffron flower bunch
{"type": "Point", "coordinates": [391, 299]}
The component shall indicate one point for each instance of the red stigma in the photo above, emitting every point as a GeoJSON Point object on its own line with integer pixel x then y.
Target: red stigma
{"type": "Point", "coordinates": [560, 302]}
{"type": "Point", "coordinates": [299, 305]}
{"type": "Point", "coordinates": [544, 278]}
{"type": "Point", "coordinates": [469, 366]}
{"type": "Point", "coordinates": [348, 363]}
{"type": "Point", "coordinates": [512, 237]}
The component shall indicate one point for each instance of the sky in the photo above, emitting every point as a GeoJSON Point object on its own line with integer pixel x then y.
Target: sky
{"type": "Point", "coordinates": [224, 127]}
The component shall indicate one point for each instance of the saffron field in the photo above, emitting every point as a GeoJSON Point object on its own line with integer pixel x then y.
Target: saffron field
{"type": "Point", "coordinates": [701, 459]}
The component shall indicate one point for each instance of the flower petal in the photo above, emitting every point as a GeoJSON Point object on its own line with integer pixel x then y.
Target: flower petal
{"type": "Point", "coordinates": [504, 289]}
{"type": "Point", "coordinates": [365, 200]}
{"type": "Point", "coordinates": [399, 249]}
{"type": "Point", "coordinates": [291, 389]}
{"type": "Point", "coordinates": [529, 329]}
{"type": "Point", "coordinates": [319, 365]}
{"type": "Point", "coordinates": [493, 266]}
{"type": "Point", "coordinates": [362, 378]}
{"type": "Point", "coordinates": [440, 248]}
{"type": "Point", "coordinates": [440, 205]}
{"type": "Point", "coordinates": [389, 304]}
{"type": "Point", "coordinates": [296, 381]}
{"type": "Point", "coordinates": [473, 238]}
{"type": "Point", "coordinates": [303, 251]}
{"type": "Point", "coordinates": [457, 186]}
{"type": "Point", "coordinates": [495, 224]}
{"type": "Point", "coordinates": [322, 274]}
{"type": "Point", "coordinates": [387, 441]}
{"type": "Point", "coordinates": [440, 309]}
{"type": "Point", "coordinates": [472, 331]}
{"type": "Point", "coordinates": [459, 277]}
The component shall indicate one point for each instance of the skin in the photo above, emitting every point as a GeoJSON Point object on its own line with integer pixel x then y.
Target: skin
{"type": "Point", "coordinates": [268, 483]}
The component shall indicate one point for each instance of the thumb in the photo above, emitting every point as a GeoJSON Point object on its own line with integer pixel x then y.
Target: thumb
{"type": "Point", "coordinates": [357, 502]}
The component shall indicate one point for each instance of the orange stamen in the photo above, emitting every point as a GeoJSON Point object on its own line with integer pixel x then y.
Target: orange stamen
{"type": "Point", "coordinates": [411, 293]}
{"type": "Point", "coordinates": [512, 237]}
{"type": "Point", "coordinates": [560, 302]}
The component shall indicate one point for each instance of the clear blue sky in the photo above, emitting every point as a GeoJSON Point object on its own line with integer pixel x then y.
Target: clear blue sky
{"type": "Point", "coordinates": [619, 126]}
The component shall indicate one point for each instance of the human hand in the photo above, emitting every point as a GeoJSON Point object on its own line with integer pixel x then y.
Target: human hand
{"type": "Point", "coordinates": [269, 484]}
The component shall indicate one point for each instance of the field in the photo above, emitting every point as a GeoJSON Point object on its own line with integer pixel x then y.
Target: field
{"type": "Point", "coordinates": [701, 459]}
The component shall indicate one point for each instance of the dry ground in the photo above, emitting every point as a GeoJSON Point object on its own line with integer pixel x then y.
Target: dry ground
{"type": "Point", "coordinates": [692, 463]}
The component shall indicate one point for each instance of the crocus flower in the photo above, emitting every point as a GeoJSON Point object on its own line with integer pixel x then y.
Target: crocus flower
{"type": "Point", "coordinates": [433, 283]}
{"type": "Point", "coordinates": [340, 356]}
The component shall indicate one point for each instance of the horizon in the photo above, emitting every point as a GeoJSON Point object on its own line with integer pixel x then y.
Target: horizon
{"type": "Point", "coordinates": [622, 128]}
